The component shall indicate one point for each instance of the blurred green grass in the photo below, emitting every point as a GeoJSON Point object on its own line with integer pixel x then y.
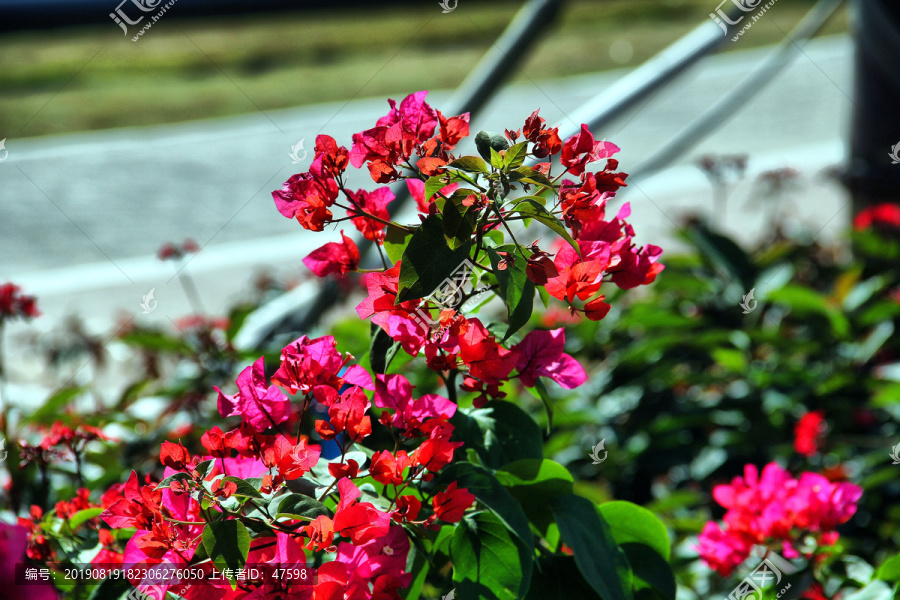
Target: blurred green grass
{"type": "Point", "coordinates": [95, 78]}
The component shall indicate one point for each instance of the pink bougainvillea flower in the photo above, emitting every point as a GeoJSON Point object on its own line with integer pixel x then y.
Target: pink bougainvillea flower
{"type": "Point", "coordinates": [260, 405]}
{"type": "Point", "coordinates": [380, 561]}
{"type": "Point", "coordinates": [395, 392]}
{"type": "Point", "coordinates": [808, 431]}
{"type": "Point", "coordinates": [541, 355]}
{"type": "Point", "coordinates": [334, 257]}
{"type": "Point", "coordinates": [775, 508]}
{"type": "Point", "coordinates": [581, 149]}
{"type": "Point", "coordinates": [13, 541]}
{"type": "Point", "coordinates": [307, 364]}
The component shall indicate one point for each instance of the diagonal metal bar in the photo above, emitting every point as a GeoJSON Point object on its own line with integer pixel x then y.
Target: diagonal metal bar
{"type": "Point", "coordinates": [301, 308]}
{"type": "Point", "coordinates": [729, 104]}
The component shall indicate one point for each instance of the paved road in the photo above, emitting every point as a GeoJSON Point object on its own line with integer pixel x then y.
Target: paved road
{"type": "Point", "coordinates": [82, 215]}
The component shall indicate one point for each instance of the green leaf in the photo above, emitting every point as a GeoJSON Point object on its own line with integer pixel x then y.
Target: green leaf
{"type": "Point", "coordinates": [298, 506]}
{"type": "Point", "coordinates": [480, 482]}
{"type": "Point", "coordinates": [459, 220]}
{"type": "Point", "coordinates": [500, 433]}
{"type": "Point", "coordinates": [533, 209]}
{"type": "Point", "coordinates": [557, 578]}
{"type": "Point", "coordinates": [165, 483]}
{"type": "Point", "coordinates": [488, 563]}
{"type": "Point", "coordinates": [803, 301]}
{"type": "Point", "coordinates": [244, 488]}
{"type": "Point", "coordinates": [158, 341]}
{"type": "Point", "coordinates": [516, 289]}
{"type": "Point", "coordinates": [600, 561]}
{"type": "Point", "coordinates": [471, 164]}
{"type": "Point", "coordinates": [395, 241]}
{"type": "Point", "coordinates": [54, 406]}
{"type": "Point", "coordinates": [889, 569]}
{"type": "Point", "coordinates": [534, 483]}
{"type": "Point", "coordinates": [723, 254]}
{"type": "Point", "coordinates": [382, 351]}
{"type": "Point", "coordinates": [632, 523]}
{"type": "Point", "coordinates": [428, 260]}
{"type": "Point", "coordinates": [651, 571]}
{"type": "Point", "coordinates": [496, 159]}
{"type": "Point", "coordinates": [542, 391]}
{"type": "Point", "coordinates": [227, 543]}
{"type": "Point", "coordinates": [437, 182]}
{"type": "Point", "coordinates": [515, 155]}
{"type": "Point", "coordinates": [83, 515]}
{"type": "Point", "coordinates": [529, 175]}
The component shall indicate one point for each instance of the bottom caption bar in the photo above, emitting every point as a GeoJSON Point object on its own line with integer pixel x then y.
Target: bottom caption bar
{"type": "Point", "coordinates": [165, 574]}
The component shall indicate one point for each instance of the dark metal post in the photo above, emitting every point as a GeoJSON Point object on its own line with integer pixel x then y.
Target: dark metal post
{"type": "Point", "coordinates": [871, 176]}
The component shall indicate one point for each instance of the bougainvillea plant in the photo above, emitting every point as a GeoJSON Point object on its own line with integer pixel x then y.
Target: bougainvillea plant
{"type": "Point", "coordinates": [330, 479]}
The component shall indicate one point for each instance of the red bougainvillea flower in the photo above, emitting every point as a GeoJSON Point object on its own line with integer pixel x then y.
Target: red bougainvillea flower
{"type": "Point", "coordinates": [814, 592]}
{"type": "Point", "coordinates": [359, 521]}
{"type": "Point", "coordinates": [348, 414]}
{"type": "Point", "coordinates": [261, 406]}
{"type": "Point", "coordinates": [881, 216]}
{"type": "Point", "coordinates": [136, 506]}
{"type": "Point", "coordinates": [370, 203]}
{"type": "Point", "coordinates": [808, 431]}
{"type": "Point", "coordinates": [334, 257]}
{"type": "Point", "coordinates": [320, 532]}
{"type": "Point", "coordinates": [775, 508]}
{"type": "Point", "coordinates": [541, 355]}
{"type": "Point", "coordinates": [450, 504]}
{"type": "Point", "coordinates": [387, 469]}
{"type": "Point", "coordinates": [581, 149]}
{"type": "Point", "coordinates": [293, 460]}
{"type": "Point", "coordinates": [174, 456]}
{"type": "Point", "coordinates": [14, 304]}
{"type": "Point", "coordinates": [175, 252]}
{"type": "Point", "coordinates": [546, 141]}
{"type": "Point", "coordinates": [408, 508]}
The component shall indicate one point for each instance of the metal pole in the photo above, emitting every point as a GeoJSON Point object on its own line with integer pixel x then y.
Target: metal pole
{"type": "Point", "coordinates": [871, 176]}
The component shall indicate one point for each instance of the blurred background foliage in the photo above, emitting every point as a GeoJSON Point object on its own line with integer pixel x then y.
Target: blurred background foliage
{"type": "Point", "coordinates": [285, 60]}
